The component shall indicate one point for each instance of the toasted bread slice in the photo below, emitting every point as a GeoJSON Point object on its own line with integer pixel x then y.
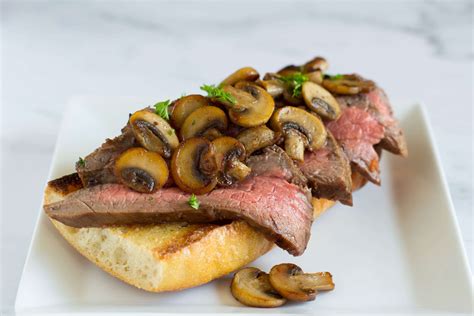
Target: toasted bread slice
{"type": "Point", "coordinates": [165, 257]}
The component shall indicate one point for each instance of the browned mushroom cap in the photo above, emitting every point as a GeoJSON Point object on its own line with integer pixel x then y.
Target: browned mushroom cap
{"type": "Point", "coordinates": [315, 76]}
{"type": "Point", "coordinates": [315, 64]}
{"type": "Point", "coordinates": [257, 137]}
{"type": "Point", "coordinates": [290, 281]}
{"type": "Point", "coordinates": [320, 101]}
{"type": "Point", "coordinates": [230, 154]}
{"type": "Point", "coordinates": [289, 70]}
{"type": "Point", "coordinates": [185, 106]}
{"type": "Point", "coordinates": [194, 166]}
{"type": "Point", "coordinates": [252, 287]}
{"type": "Point", "coordinates": [253, 107]}
{"type": "Point", "coordinates": [204, 121]}
{"type": "Point", "coordinates": [310, 131]}
{"type": "Point", "coordinates": [348, 84]}
{"type": "Point", "coordinates": [154, 133]}
{"type": "Point", "coordinates": [141, 170]}
{"type": "Point", "coordinates": [242, 74]}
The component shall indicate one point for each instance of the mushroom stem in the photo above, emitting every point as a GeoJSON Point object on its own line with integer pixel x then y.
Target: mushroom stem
{"type": "Point", "coordinates": [238, 170]}
{"type": "Point", "coordinates": [295, 144]}
{"type": "Point", "coordinates": [321, 281]}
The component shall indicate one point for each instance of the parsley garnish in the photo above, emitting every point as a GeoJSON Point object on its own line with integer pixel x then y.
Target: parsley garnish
{"type": "Point", "coordinates": [193, 202]}
{"type": "Point", "coordinates": [334, 77]}
{"type": "Point", "coordinates": [219, 94]}
{"type": "Point", "coordinates": [295, 82]}
{"type": "Point", "coordinates": [161, 108]}
{"type": "Point", "coordinates": [81, 162]}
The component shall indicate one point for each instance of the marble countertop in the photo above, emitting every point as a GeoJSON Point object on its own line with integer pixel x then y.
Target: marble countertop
{"type": "Point", "coordinates": [53, 50]}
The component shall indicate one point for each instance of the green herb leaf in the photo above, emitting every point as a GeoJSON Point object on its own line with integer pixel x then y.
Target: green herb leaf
{"type": "Point", "coordinates": [193, 202]}
{"type": "Point", "coordinates": [161, 108]}
{"type": "Point", "coordinates": [219, 94]}
{"type": "Point", "coordinates": [81, 162]}
{"type": "Point", "coordinates": [334, 77]}
{"type": "Point", "coordinates": [295, 82]}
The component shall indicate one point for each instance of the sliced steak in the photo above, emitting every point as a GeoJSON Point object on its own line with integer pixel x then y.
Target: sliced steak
{"type": "Point", "coordinates": [357, 132]}
{"type": "Point", "coordinates": [98, 166]}
{"type": "Point", "coordinates": [329, 172]}
{"type": "Point", "coordinates": [377, 104]}
{"type": "Point", "coordinates": [277, 208]}
{"type": "Point", "coordinates": [275, 162]}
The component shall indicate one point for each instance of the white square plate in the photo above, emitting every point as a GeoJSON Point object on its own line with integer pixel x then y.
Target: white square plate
{"type": "Point", "coordinates": [397, 251]}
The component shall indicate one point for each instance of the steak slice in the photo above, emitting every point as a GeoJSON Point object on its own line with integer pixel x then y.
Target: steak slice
{"type": "Point", "coordinates": [329, 172]}
{"type": "Point", "coordinates": [377, 104]}
{"type": "Point", "coordinates": [275, 162]}
{"type": "Point", "coordinates": [98, 166]}
{"type": "Point", "coordinates": [277, 208]}
{"type": "Point", "coordinates": [357, 132]}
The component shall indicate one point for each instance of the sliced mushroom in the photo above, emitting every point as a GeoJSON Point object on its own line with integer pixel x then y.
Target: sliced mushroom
{"type": "Point", "coordinates": [274, 87]}
{"type": "Point", "coordinates": [204, 121]}
{"type": "Point", "coordinates": [348, 84]}
{"type": "Point", "coordinates": [230, 154]}
{"type": "Point", "coordinates": [315, 64]}
{"type": "Point", "coordinates": [184, 106]}
{"type": "Point", "coordinates": [194, 166]}
{"type": "Point", "coordinates": [254, 105]}
{"type": "Point", "coordinates": [311, 131]}
{"type": "Point", "coordinates": [289, 70]}
{"type": "Point", "coordinates": [252, 287]}
{"type": "Point", "coordinates": [154, 133]}
{"type": "Point", "coordinates": [242, 74]}
{"type": "Point", "coordinates": [320, 101]}
{"type": "Point", "coordinates": [141, 170]}
{"type": "Point", "coordinates": [290, 281]}
{"type": "Point", "coordinates": [290, 98]}
{"type": "Point", "coordinates": [256, 138]}
{"type": "Point", "coordinates": [315, 76]}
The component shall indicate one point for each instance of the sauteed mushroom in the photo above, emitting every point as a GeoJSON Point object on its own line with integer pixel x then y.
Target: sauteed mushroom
{"type": "Point", "coordinates": [253, 107]}
{"type": "Point", "coordinates": [194, 166]}
{"type": "Point", "coordinates": [290, 281]}
{"type": "Point", "coordinates": [206, 121]}
{"type": "Point", "coordinates": [289, 70]}
{"type": "Point", "coordinates": [242, 74]}
{"type": "Point", "coordinates": [154, 133]}
{"type": "Point", "coordinates": [184, 106]}
{"type": "Point", "coordinates": [230, 154]}
{"type": "Point", "coordinates": [347, 84]}
{"type": "Point", "coordinates": [256, 138]}
{"type": "Point", "coordinates": [252, 287]}
{"type": "Point", "coordinates": [316, 64]}
{"type": "Point", "coordinates": [320, 101]}
{"type": "Point", "coordinates": [301, 130]}
{"type": "Point", "coordinates": [273, 86]}
{"type": "Point", "coordinates": [141, 170]}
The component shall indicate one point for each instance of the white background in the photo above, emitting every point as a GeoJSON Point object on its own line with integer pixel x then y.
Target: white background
{"type": "Point", "coordinates": [52, 50]}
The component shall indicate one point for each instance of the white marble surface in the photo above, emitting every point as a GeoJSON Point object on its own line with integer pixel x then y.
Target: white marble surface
{"type": "Point", "coordinates": [52, 50]}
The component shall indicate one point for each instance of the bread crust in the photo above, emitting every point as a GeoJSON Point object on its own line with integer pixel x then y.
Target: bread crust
{"type": "Point", "coordinates": [167, 257]}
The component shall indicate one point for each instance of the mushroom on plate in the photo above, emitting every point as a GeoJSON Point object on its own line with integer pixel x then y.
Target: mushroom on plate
{"type": "Point", "coordinates": [141, 170]}
{"type": "Point", "coordinates": [254, 106]}
{"type": "Point", "coordinates": [242, 74]}
{"type": "Point", "coordinates": [153, 132]}
{"type": "Point", "coordinates": [194, 166]}
{"type": "Point", "coordinates": [252, 287]}
{"type": "Point", "coordinates": [301, 130]}
{"type": "Point", "coordinates": [230, 156]}
{"type": "Point", "coordinates": [293, 284]}
{"type": "Point", "coordinates": [184, 106]}
{"type": "Point", "coordinates": [208, 121]}
{"type": "Point", "coordinates": [320, 101]}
